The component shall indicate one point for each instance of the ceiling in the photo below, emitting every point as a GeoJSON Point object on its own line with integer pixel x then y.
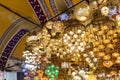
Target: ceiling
{"type": "Point", "coordinates": [17, 15]}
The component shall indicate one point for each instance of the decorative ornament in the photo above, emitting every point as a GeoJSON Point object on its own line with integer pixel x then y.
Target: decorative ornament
{"type": "Point", "coordinates": [106, 57]}
{"type": "Point", "coordinates": [107, 63]}
{"type": "Point", "coordinates": [82, 12]}
{"type": "Point", "coordinates": [113, 11]}
{"type": "Point", "coordinates": [49, 24]}
{"type": "Point", "coordinates": [116, 54]}
{"type": "Point", "coordinates": [64, 16]}
{"type": "Point", "coordinates": [113, 73]}
{"type": "Point", "coordinates": [93, 5]}
{"type": "Point", "coordinates": [31, 74]}
{"type": "Point", "coordinates": [101, 2]}
{"type": "Point", "coordinates": [40, 73]}
{"type": "Point", "coordinates": [44, 78]}
{"type": "Point", "coordinates": [105, 11]}
{"type": "Point", "coordinates": [118, 23]}
{"type": "Point", "coordinates": [52, 71]}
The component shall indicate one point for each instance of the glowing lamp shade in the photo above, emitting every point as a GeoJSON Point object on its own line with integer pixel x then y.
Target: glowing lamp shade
{"type": "Point", "coordinates": [106, 57]}
{"type": "Point", "coordinates": [107, 63]}
{"type": "Point", "coordinates": [64, 16]}
{"type": "Point", "coordinates": [105, 11]}
{"type": "Point", "coordinates": [82, 12]}
{"type": "Point", "coordinates": [118, 23]}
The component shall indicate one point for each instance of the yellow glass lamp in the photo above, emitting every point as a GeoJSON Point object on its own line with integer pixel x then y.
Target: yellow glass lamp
{"type": "Point", "coordinates": [40, 73]}
{"type": "Point", "coordinates": [95, 49]}
{"type": "Point", "coordinates": [110, 46]}
{"type": "Point", "coordinates": [117, 61]}
{"type": "Point", "coordinates": [92, 77]}
{"type": "Point", "coordinates": [44, 78]}
{"type": "Point", "coordinates": [115, 54]}
{"type": "Point", "coordinates": [101, 46]}
{"type": "Point", "coordinates": [113, 73]}
{"type": "Point", "coordinates": [101, 54]}
{"type": "Point", "coordinates": [97, 43]}
{"type": "Point", "coordinates": [49, 24]}
{"type": "Point", "coordinates": [106, 57]}
{"type": "Point", "coordinates": [104, 28]}
{"type": "Point", "coordinates": [107, 63]}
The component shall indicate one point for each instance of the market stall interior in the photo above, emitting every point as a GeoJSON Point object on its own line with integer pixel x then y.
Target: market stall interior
{"type": "Point", "coordinates": [82, 44]}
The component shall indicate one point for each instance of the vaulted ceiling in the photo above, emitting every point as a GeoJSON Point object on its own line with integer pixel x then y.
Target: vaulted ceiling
{"type": "Point", "coordinates": [17, 17]}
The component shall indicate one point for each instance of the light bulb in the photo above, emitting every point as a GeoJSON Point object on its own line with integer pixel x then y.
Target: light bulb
{"type": "Point", "coordinates": [71, 32]}
{"type": "Point", "coordinates": [64, 40]}
{"type": "Point", "coordinates": [77, 50]}
{"type": "Point", "coordinates": [81, 72]}
{"type": "Point", "coordinates": [82, 49]}
{"type": "Point", "coordinates": [81, 44]}
{"type": "Point", "coordinates": [86, 76]}
{"type": "Point", "coordinates": [76, 43]}
{"type": "Point", "coordinates": [91, 52]}
{"type": "Point", "coordinates": [95, 59]}
{"type": "Point", "coordinates": [58, 54]}
{"type": "Point", "coordinates": [91, 64]}
{"type": "Point", "coordinates": [78, 40]}
{"type": "Point", "coordinates": [73, 73]}
{"type": "Point", "coordinates": [108, 75]}
{"type": "Point", "coordinates": [85, 55]}
{"type": "Point", "coordinates": [92, 55]}
{"type": "Point", "coordinates": [75, 35]}
{"type": "Point", "coordinates": [87, 59]}
{"type": "Point", "coordinates": [79, 47]}
{"type": "Point", "coordinates": [68, 37]}
{"type": "Point", "coordinates": [64, 53]}
{"type": "Point", "coordinates": [82, 35]}
{"type": "Point", "coordinates": [65, 35]}
{"type": "Point", "coordinates": [79, 31]}
{"type": "Point", "coordinates": [83, 32]}
{"type": "Point", "coordinates": [72, 48]}
{"type": "Point", "coordinates": [69, 45]}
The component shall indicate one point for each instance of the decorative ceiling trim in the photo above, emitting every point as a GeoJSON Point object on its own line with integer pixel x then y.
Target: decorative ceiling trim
{"type": "Point", "coordinates": [69, 3]}
{"type": "Point", "coordinates": [54, 8]}
{"type": "Point", "coordinates": [10, 29]}
{"type": "Point", "coordinates": [45, 8]}
{"type": "Point", "coordinates": [38, 10]}
{"type": "Point", "coordinates": [10, 47]}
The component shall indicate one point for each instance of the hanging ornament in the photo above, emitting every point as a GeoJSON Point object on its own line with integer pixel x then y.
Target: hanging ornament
{"type": "Point", "coordinates": [82, 12]}
{"type": "Point", "coordinates": [107, 63]}
{"type": "Point", "coordinates": [52, 71]}
{"type": "Point", "coordinates": [106, 57]}
{"type": "Point", "coordinates": [113, 73]}
{"type": "Point", "coordinates": [116, 54]}
{"type": "Point", "coordinates": [77, 78]}
{"type": "Point", "coordinates": [49, 24]}
{"type": "Point", "coordinates": [118, 23]}
{"type": "Point", "coordinates": [101, 2]}
{"type": "Point", "coordinates": [113, 11]}
{"type": "Point", "coordinates": [93, 5]}
{"type": "Point", "coordinates": [105, 11]}
{"type": "Point", "coordinates": [44, 78]}
{"type": "Point", "coordinates": [64, 16]}
{"type": "Point", "coordinates": [40, 73]}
